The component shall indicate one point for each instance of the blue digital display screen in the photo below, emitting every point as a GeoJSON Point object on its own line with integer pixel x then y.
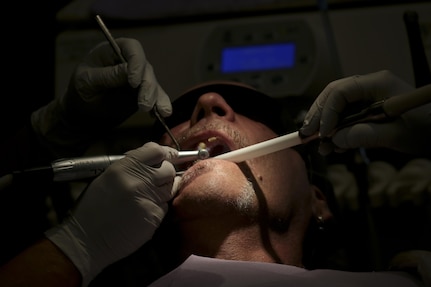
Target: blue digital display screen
{"type": "Point", "coordinates": [257, 57]}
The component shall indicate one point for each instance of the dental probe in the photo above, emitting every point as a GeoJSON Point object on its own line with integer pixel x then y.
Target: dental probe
{"type": "Point", "coordinates": [117, 50]}
{"type": "Point", "coordinates": [165, 126]}
{"type": "Point", "coordinates": [110, 38]}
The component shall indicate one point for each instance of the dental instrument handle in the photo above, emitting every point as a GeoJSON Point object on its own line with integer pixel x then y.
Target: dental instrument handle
{"type": "Point", "coordinates": [389, 108]}
{"type": "Point", "coordinates": [395, 106]}
{"type": "Point", "coordinates": [81, 168]}
{"type": "Point", "coordinates": [110, 38]}
{"type": "Point", "coordinates": [70, 169]}
{"type": "Point", "coordinates": [265, 147]}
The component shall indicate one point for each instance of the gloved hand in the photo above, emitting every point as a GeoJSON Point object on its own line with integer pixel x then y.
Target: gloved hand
{"type": "Point", "coordinates": [120, 210]}
{"type": "Point", "coordinates": [408, 133]}
{"type": "Point", "coordinates": [102, 93]}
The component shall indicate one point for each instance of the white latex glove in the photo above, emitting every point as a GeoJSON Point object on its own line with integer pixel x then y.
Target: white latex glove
{"type": "Point", "coordinates": [102, 93]}
{"type": "Point", "coordinates": [408, 133]}
{"type": "Point", "coordinates": [120, 210]}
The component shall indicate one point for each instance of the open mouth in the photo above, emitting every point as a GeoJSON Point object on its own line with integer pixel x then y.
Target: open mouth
{"type": "Point", "coordinates": [214, 145]}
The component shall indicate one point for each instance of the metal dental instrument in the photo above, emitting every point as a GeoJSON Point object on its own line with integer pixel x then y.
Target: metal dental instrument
{"type": "Point", "coordinates": [80, 168]}
{"type": "Point", "coordinates": [89, 167]}
{"type": "Point", "coordinates": [110, 38]}
{"type": "Point", "coordinates": [165, 126]}
{"type": "Point", "coordinates": [117, 50]}
{"type": "Point", "coordinates": [190, 155]}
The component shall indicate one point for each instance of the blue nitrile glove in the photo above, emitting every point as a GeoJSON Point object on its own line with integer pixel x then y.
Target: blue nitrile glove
{"type": "Point", "coordinates": [102, 93]}
{"type": "Point", "coordinates": [120, 210]}
{"type": "Point", "coordinates": [408, 133]}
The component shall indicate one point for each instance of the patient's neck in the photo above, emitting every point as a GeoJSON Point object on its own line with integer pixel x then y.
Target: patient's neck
{"type": "Point", "coordinates": [235, 240]}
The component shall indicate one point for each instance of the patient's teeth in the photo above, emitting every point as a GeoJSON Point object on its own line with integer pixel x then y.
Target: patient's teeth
{"type": "Point", "coordinates": [202, 145]}
{"type": "Point", "coordinates": [212, 139]}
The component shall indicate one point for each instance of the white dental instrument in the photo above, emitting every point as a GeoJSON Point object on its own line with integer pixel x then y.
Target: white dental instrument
{"type": "Point", "coordinates": [265, 147]}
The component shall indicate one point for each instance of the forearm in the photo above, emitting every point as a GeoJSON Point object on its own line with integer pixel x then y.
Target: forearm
{"type": "Point", "coordinates": [42, 264]}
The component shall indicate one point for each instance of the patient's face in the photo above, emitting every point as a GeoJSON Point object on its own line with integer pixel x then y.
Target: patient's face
{"type": "Point", "coordinates": [222, 189]}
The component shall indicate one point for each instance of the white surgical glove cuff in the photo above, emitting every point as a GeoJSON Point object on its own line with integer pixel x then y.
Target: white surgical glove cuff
{"type": "Point", "coordinates": [90, 257]}
{"type": "Point", "coordinates": [64, 238]}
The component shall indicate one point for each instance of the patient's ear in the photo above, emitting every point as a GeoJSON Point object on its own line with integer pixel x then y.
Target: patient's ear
{"type": "Point", "coordinates": [320, 204]}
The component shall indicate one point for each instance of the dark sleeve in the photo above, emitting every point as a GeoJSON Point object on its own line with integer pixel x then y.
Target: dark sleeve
{"type": "Point", "coordinates": [27, 205]}
{"type": "Point", "coordinates": [21, 151]}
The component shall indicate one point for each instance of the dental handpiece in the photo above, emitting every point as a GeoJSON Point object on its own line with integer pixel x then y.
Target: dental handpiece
{"type": "Point", "coordinates": [80, 168]}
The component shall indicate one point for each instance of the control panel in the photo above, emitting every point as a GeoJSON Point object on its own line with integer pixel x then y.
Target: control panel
{"type": "Point", "coordinates": [277, 57]}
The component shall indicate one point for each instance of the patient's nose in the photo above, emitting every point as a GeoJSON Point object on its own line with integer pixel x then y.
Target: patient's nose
{"type": "Point", "coordinates": [212, 105]}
